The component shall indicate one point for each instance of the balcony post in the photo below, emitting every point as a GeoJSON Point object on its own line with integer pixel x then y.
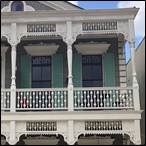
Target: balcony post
{"type": "Point", "coordinates": [69, 39]}
{"type": "Point", "coordinates": [70, 82]}
{"type": "Point", "coordinates": [13, 78]}
{"type": "Point", "coordinates": [134, 75]}
{"type": "Point", "coordinates": [13, 41]}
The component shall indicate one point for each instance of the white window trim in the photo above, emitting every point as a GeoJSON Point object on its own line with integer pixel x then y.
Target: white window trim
{"type": "Point", "coordinates": [3, 55]}
{"type": "Point", "coordinates": [93, 48]}
{"type": "Point", "coordinates": [41, 50]}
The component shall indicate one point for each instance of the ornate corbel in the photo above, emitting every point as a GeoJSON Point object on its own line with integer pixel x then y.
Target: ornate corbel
{"type": "Point", "coordinates": [133, 139]}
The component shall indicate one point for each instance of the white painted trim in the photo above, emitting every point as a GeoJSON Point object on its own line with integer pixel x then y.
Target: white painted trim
{"type": "Point", "coordinates": [92, 48]}
{"type": "Point", "coordinates": [3, 55]}
{"type": "Point", "coordinates": [41, 50]}
{"type": "Point", "coordinates": [72, 115]}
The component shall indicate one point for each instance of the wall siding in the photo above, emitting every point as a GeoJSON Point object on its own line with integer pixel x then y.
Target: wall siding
{"type": "Point", "coordinates": [8, 69]}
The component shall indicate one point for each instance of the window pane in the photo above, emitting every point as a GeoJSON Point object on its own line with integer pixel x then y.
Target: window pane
{"type": "Point", "coordinates": [36, 61]}
{"type": "Point", "coordinates": [36, 73]}
{"type": "Point", "coordinates": [17, 6]}
{"type": "Point", "coordinates": [46, 73]}
{"type": "Point", "coordinates": [46, 84]}
{"type": "Point", "coordinates": [46, 60]}
{"type": "Point", "coordinates": [36, 85]}
{"type": "Point", "coordinates": [97, 72]}
{"type": "Point", "coordinates": [87, 72]}
{"type": "Point", "coordinates": [97, 83]}
{"type": "Point", "coordinates": [96, 59]}
{"type": "Point", "coordinates": [87, 83]}
{"type": "Point", "coordinates": [87, 59]}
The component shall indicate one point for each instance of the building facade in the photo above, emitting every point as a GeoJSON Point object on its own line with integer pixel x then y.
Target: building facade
{"type": "Point", "coordinates": [64, 72]}
{"type": "Point", "coordinates": [140, 69]}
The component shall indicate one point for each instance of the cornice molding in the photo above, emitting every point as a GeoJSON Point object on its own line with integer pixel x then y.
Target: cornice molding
{"type": "Point", "coordinates": [92, 48]}
{"type": "Point", "coordinates": [115, 14]}
{"type": "Point", "coordinates": [35, 50]}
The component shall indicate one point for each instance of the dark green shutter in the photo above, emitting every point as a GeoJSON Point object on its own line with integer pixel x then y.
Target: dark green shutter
{"type": "Point", "coordinates": [77, 70]}
{"type": "Point", "coordinates": [109, 70]}
{"type": "Point", "coordinates": [25, 71]}
{"type": "Point", "coordinates": [57, 71]}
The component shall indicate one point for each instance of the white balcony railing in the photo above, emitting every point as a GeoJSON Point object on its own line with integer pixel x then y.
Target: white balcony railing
{"type": "Point", "coordinates": [41, 99]}
{"type": "Point", "coordinates": [101, 98]}
{"type": "Point", "coordinates": [5, 99]}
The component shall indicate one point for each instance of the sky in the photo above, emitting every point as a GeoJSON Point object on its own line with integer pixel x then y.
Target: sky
{"type": "Point", "coordinates": [139, 21]}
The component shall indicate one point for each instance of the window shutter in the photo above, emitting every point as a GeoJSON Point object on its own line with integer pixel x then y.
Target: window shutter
{"type": "Point", "coordinates": [77, 70]}
{"type": "Point", "coordinates": [25, 71]}
{"type": "Point", "coordinates": [57, 71]}
{"type": "Point", "coordinates": [109, 70]}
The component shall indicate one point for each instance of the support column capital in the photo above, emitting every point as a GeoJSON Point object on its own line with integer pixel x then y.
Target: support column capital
{"type": "Point", "coordinates": [13, 42]}
{"type": "Point", "coordinates": [132, 43]}
{"type": "Point", "coordinates": [70, 41]}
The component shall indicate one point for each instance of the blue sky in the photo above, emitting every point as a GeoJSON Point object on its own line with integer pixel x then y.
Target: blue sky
{"type": "Point", "coordinates": [139, 20]}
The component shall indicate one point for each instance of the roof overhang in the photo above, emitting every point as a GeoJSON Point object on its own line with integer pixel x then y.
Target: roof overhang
{"type": "Point", "coordinates": [69, 15]}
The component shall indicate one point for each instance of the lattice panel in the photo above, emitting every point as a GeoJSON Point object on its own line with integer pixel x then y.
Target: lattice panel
{"type": "Point", "coordinates": [91, 26]}
{"type": "Point", "coordinates": [103, 125]}
{"type": "Point", "coordinates": [41, 27]}
{"type": "Point", "coordinates": [41, 126]}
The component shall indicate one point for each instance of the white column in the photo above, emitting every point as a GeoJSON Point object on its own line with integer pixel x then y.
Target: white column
{"type": "Point", "coordinates": [70, 83]}
{"type": "Point", "coordinates": [69, 41]}
{"type": "Point", "coordinates": [12, 140]}
{"type": "Point", "coordinates": [134, 75]}
{"type": "Point", "coordinates": [69, 60]}
{"type": "Point", "coordinates": [13, 42]}
{"type": "Point", "coordinates": [13, 78]}
{"type": "Point", "coordinates": [137, 138]}
{"type": "Point", "coordinates": [71, 139]}
{"type": "Point", "coordinates": [132, 48]}
{"type": "Point", "coordinates": [13, 66]}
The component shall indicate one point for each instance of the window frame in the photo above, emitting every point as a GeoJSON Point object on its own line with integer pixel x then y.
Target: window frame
{"type": "Point", "coordinates": [93, 79]}
{"type": "Point", "coordinates": [17, 2]}
{"type": "Point", "coordinates": [41, 65]}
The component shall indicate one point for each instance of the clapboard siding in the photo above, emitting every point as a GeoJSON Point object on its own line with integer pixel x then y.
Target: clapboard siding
{"type": "Point", "coordinates": [8, 69]}
{"type": "Point", "coordinates": [122, 64]}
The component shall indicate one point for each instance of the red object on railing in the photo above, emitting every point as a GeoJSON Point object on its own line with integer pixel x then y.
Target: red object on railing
{"type": "Point", "coordinates": [23, 100]}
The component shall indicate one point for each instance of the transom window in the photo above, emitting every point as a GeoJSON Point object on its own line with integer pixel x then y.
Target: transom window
{"type": "Point", "coordinates": [92, 71]}
{"type": "Point", "coordinates": [17, 6]}
{"type": "Point", "coordinates": [41, 72]}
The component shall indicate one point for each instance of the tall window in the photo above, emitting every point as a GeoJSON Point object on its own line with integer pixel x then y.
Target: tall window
{"type": "Point", "coordinates": [17, 6]}
{"type": "Point", "coordinates": [92, 71]}
{"type": "Point", "coordinates": [41, 72]}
